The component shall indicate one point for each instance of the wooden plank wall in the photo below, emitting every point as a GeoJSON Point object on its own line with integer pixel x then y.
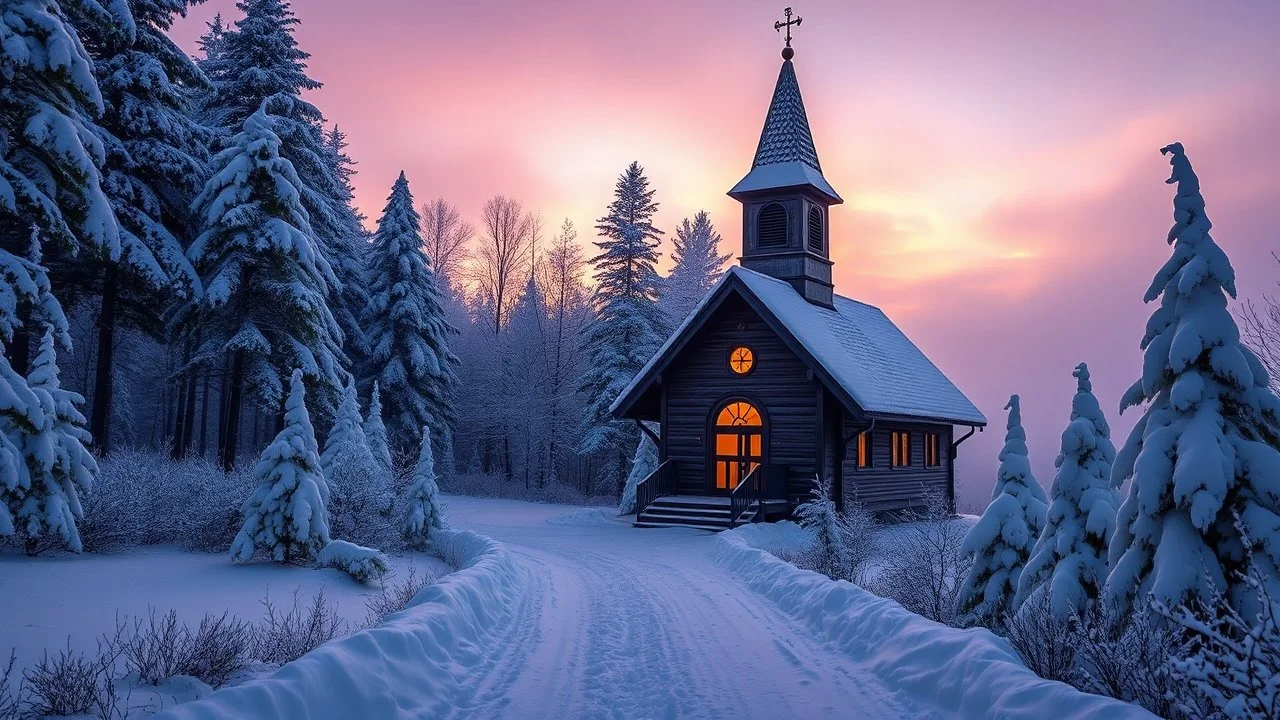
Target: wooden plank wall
{"type": "Point", "coordinates": [699, 380]}
{"type": "Point", "coordinates": [883, 488]}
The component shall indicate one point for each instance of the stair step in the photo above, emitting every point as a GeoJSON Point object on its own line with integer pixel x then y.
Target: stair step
{"type": "Point", "coordinates": [712, 528]}
{"type": "Point", "coordinates": [663, 516]}
{"type": "Point", "coordinates": [692, 511]}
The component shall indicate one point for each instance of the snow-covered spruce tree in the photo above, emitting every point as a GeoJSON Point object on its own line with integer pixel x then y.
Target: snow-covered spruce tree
{"type": "Point", "coordinates": [1070, 559]}
{"type": "Point", "coordinates": [409, 352]}
{"type": "Point", "coordinates": [44, 424]}
{"type": "Point", "coordinates": [257, 60]}
{"type": "Point", "coordinates": [350, 253]}
{"type": "Point", "coordinates": [265, 282]}
{"type": "Point", "coordinates": [156, 156]}
{"type": "Point", "coordinates": [697, 264]}
{"type": "Point", "coordinates": [628, 327]}
{"type": "Point", "coordinates": [642, 466]}
{"type": "Point", "coordinates": [423, 512]}
{"type": "Point", "coordinates": [360, 498]}
{"type": "Point", "coordinates": [375, 432]}
{"type": "Point", "coordinates": [286, 516]}
{"type": "Point", "coordinates": [829, 553]}
{"type": "Point", "coordinates": [51, 151]}
{"type": "Point", "coordinates": [1204, 456]}
{"type": "Point", "coordinates": [1002, 540]}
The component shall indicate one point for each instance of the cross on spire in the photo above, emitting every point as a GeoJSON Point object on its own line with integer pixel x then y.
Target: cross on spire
{"type": "Point", "coordinates": [787, 52]}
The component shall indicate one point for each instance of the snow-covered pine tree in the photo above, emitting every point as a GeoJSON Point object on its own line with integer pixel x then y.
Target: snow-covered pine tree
{"type": "Point", "coordinates": [265, 282]}
{"type": "Point", "coordinates": [1003, 538]}
{"type": "Point", "coordinates": [52, 152]}
{"type": "Point", "coordinates": [348, 462]}
{"type": "Point", "coordinates": [42, 423]}
{"type": "Point", "coordinates": [424, 512]}
{"type": "Point", "coordinates": [156, 157]}
{"type": "Point", "coordinates": [375, 432]}
{"type": "Point", "coordinates": [256, 61]}
{"type": "Point", "coordinates": [628, 327]}
{"type": "Point", "coordinates": [697, 265]}
{"type": "Point", "coordinates": [1202, 462]}
{"type": "Point", "coordinates": [642, 466]}
{"type": "Point", "coordinates": [408, 337]}
{"type": "Point", "coordinates": [1070, 559]}
{"type": "Point", "coordinates": [286, 516]}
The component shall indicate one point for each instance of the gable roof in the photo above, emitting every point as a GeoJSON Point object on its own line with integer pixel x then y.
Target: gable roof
{"type": "Point", "coordinates": [855, 348]}
{"type": "Point", "coordinates": [786, 155]}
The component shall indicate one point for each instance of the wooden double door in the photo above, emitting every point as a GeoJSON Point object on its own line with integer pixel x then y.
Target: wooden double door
{"type": "Point", "coordinates": [737, 442]}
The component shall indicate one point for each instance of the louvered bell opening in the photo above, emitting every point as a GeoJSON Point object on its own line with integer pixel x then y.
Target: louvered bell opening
{"type": "Point", "coordinates": [772, 226]}
{"type": "Point", "coordinates": [815, 229]}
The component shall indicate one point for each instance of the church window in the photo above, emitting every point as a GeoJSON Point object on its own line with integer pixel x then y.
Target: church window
{"type": "Point", "coordinates": [864, 450]}
{"type": "Point", "coordinates": [772, 225]}
{"type": "Point", "coordinates": [932, 458]}
{"type": "Point", "coordinates": [901, 454]}
{"type": "Point", "coordinates": [815, 229]}
{"type": "Point", "coordinates": [741, 360]}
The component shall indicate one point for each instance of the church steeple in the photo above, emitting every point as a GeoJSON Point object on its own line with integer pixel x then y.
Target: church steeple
{"type": "Point", "coordinates": [785, 198]}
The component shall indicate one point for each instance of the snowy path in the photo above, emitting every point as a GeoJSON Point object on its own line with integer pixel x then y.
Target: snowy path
{"type": "Point", "coordinates": [627, 623]}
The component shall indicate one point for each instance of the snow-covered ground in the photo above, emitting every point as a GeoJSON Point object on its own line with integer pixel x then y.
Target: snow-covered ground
{"type": "Point", "coordinates": [43, 600]}
{"type": "Point", "coordinates": [575, 614]}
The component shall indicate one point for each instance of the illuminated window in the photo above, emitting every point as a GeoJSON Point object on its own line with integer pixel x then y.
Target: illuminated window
{"type": "Point", "coordinates": [739, 443]}
{"type": "Point", "coordinates": [901, 455]}
{"type": "Point", "coordinates": [741, 360]}
{"type": "Point", "coordinates": [772, 226]}
{"type": "Point", "coordinates": [864, 450]}
{"type": "Point", "coordinates": [931, 456]}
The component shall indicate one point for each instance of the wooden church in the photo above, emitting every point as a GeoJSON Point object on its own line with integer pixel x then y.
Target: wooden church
{"type": "Point", "coordinates": [774, 381]}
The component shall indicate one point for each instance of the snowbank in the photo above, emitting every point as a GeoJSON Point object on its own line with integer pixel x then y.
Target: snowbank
{"type": "Point", "coordinates": [588, 517]}
{"type": "Point", "coordinates": [408, 666]}
{"type": "Point", "coordinates": [972, 672]}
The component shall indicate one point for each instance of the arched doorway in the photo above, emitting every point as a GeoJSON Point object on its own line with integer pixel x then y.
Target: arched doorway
{"type": "Point", "coordinates": [737, 444]}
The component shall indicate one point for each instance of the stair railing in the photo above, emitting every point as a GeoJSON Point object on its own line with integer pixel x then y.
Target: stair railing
{"type": "Point", "coordinates": [748, 494]}
{"type": "Point", "coordinates": [662, 481]}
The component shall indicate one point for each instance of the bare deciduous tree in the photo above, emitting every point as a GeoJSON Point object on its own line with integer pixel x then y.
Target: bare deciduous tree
{"type": "Point", "coordinates": [446, 237]}
{"type": "Point", "coordinates": [1260, 330]}
{"type": "Point", "coordinates": [502, 258]}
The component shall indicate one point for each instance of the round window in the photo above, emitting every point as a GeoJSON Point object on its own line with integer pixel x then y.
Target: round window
{"type": "Point", "coordinates": [741, 360]}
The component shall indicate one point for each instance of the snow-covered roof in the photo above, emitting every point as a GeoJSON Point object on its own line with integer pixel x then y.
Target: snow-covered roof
{"type": "Point", "coordinates": [854, 345]}
{"type": "Point", "coordinates": [786, 155]}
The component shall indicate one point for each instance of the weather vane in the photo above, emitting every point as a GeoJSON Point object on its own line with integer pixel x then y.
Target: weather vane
{"type": "Point", "coordinates": [787, 52]}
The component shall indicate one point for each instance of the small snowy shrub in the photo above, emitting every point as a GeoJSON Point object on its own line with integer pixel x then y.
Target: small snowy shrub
{"type": "Point", "coordinates": [395, 596]}
{"type": "Point", "coordinates": [8, 692]}
{"type": "Point", "coordinates": [843, 542]}
{"type": "Point", "coordinates": [1046, 641]}
{"type": "Point", "coordinates": [1128, 656]}
{"type": "Point", "coordinates": [362, 563]}
{"type": "Point", "coordinates": [73, 683]}
{"type": "Point", "coordinates": [1229, 660]}
{"type": "Point", "coordinates": [284, 635]}
{"type": "Point", "coordinates": [162, 648]}
{"type": "Point", "coordinates": [144, 497]}
{"type": "Point", "coordinates": [923, 565]}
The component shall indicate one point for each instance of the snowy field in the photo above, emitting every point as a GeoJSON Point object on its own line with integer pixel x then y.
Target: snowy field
{"type": "Point", "coordinates": [573, 614]}
{"type": "Point", "coordinates": [45, 600]}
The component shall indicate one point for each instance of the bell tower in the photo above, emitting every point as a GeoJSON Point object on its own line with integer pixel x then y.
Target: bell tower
{"type": "Point", "coordinates": [785, 199]}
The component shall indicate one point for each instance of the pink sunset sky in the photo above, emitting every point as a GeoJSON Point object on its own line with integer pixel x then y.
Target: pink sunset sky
{"type": "Point", "coordinates": [1005, 199]}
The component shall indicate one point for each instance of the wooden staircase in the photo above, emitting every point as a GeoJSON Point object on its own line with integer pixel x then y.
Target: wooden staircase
{"type": "Point", "coordinates": [703, 513]}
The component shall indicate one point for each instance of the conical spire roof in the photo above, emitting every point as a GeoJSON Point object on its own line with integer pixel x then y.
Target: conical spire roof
{"type": "Point", "coordinates": [786, 155]}
{"type": "Point", "coordinates": [786, 136]}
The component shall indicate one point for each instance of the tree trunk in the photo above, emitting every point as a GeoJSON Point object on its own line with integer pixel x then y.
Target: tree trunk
{"type": "Point", "coordinates": [20, 348]}
{"type": "Point", "coordinates": [235, 391]}
{"type": "Point", "coordinates": [204, 415]}
{"type": "Point", "coordinates": [103, 378]}
{"type": "Point", "coordinates": [189, 417]}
